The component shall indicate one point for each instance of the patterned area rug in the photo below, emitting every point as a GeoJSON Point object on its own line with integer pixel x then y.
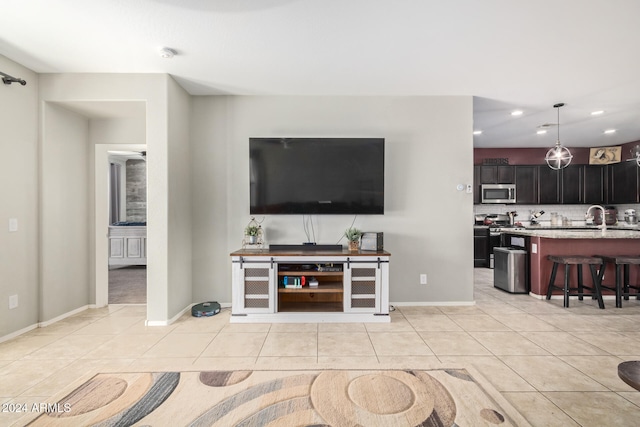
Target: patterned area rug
{"type": "Point", "coordinates": [389, 398]}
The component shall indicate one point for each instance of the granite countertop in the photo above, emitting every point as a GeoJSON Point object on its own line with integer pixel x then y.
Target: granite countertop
{"type": "Point", "coordinates": [578, 233]}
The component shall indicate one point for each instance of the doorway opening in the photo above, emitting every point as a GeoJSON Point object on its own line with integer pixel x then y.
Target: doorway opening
{"type": "Point", "coordinates": [127, 231]}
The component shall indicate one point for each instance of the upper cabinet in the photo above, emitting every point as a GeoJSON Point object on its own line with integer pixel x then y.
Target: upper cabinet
{"type": "Point", "coordinates": [623, 183]}
{"type": "Point", "coordinates": [594, 184]}
{"type": "Point", "coordinates": [497, 174]}
{"type": "Point", "coordinates": [493, 174]}
{"type": "Point", "coordinates": [549, 184]}
{"type": "Point", "coordinates": [572, 184]}
{"type": "Point", "coordinates": [526, 185]}
{"type": "Point", "coordinates": [575, 184]}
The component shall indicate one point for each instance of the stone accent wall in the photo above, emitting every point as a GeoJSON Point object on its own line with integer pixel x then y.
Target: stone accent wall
{"type": "Point", "coordinates": [136, 190]}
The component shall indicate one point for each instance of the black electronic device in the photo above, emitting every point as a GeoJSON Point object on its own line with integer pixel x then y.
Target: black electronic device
{"type": "Point", "coordinates": [316, 175]}
{"type": "Point", "coordinates": [329, 268]}
{"type": "Point", "coordinates": [303, 247]}
{"type": "Point", "coordinates": [205, 309]}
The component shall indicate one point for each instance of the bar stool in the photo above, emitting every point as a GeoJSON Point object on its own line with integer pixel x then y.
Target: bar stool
{"type": "Point", "coordinates": [578, 261]}
{"type": "Point", "coordinates": [621, 286]}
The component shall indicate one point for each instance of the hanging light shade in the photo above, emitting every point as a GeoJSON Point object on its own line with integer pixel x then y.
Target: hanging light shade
{"type": "Point", "coordinates": [635, 152]}
{"type": "Point", "coordinates": [558, 157]}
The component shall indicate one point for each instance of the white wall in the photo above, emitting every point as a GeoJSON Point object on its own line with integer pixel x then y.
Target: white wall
{"type": "Point", "coordinates": [19, 198]}
{"type": "Point", "coordinates": [429, 150]}
{"type": "Point", "coordinates": [118, 130]}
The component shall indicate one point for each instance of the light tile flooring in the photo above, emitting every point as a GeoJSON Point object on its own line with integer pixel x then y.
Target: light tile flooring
{"type": "Point", "coordinates": [557, 366]}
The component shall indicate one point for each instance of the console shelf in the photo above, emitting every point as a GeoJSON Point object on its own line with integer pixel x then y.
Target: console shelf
{"type": "Point", "coordinates": [310, 273]}
{"type": "Point", "coordinates": [358, 293]}
{"type": "Point", "coordinates": [322, 288]}
{"type": "Point", "coordinates": [311, 307]}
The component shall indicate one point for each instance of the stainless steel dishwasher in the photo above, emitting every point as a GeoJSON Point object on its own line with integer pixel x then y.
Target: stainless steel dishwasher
{"type": "Point", "coordinates": [511, 272]}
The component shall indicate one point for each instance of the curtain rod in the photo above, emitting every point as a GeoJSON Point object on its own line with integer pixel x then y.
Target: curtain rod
{"type": "Point", "coordinates": [7, 79]}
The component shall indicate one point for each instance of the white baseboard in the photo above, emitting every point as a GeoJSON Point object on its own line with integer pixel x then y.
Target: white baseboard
{"type": "Point", "coordinates": [42, 324]}
{"type": "Point", "coordinates": [433, 303]}
{"type": "Point", "coordinates": [177, 316]}
{"type": "Point", "coordinates": [62, 316]}
{"type": "Point", "coordinates": [18, 333]}
{"type": "Point", "coordinates": [169, 321]}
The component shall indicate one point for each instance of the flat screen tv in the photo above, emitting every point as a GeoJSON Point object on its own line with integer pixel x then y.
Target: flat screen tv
{"type": "Point", "coordinates": [316, 175]}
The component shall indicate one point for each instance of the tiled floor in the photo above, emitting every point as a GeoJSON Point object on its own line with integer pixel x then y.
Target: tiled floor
{"type": "Point", "coordinates": [557, 366]}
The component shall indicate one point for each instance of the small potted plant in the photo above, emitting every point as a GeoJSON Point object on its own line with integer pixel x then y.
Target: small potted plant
{"type": "Point", "coordinates": [252, 231]}
{"type": "Point", "coordinates": [353, 236]}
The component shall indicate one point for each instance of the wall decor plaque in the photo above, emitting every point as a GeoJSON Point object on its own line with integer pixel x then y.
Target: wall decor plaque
{"type": "Point", "coordinates": [498, 161]}
{"type": "Point", "coordinates": [605, 155]}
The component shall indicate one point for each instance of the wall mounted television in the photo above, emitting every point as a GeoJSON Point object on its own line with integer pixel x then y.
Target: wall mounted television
{"type": "Point", "coordinates": [316, 175]}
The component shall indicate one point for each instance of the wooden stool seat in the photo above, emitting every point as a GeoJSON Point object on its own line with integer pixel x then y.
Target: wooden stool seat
{"type": "Point", "coordinates": [567, 290]}
{"type": "Point", "coordinates": [622, 286]}
{"type": "Point", "coordinates": [629, 372]}
{"type": "Point", "coordinates": [575, 259]}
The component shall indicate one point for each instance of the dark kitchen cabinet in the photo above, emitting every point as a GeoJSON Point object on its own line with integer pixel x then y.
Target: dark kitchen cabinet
{"type": "Point", "coordinates": [481, 247]}
{"type": "Point", "coordinates": [623, 183]}
{"type": "Point", "coordinates": [476, 184]}
{"type": "Point", "coordinates": [572, 184]}
{"type": "Point", "coordinates": [501, 174]}
{"type": "Point", "coordinates": [548, 185]}
{"type": "Point", "coordinates": [526, 185]}
{"type": "Point", "coordinates": [594, 184]}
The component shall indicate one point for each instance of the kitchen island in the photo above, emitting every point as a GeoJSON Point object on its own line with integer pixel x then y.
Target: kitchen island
{"type": "Point", "coordinates": [575, 241]}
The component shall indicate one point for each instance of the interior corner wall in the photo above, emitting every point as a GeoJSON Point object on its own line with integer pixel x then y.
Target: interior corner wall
{"type": "Point", "coordinates": [64, 212]}
{"type": "Point", "coordinates": [429, 151]}
{"type": "Point", "coordinates": [19, 195]}
{"type": "Point", "coordinates": [210, 189]}
{"type": "Point", "coordinates": [180, 202]}
{"type": "Point", "coordinates": [151, 89]}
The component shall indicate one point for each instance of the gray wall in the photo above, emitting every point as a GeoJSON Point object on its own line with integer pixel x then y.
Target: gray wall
{"type": "Point", "coordinates": [19, 198]}
{"type": "Point", "coordinates": [64, 212]}
{"type": "Point", "coordinates": [180, 206]}
{"type": "Point", "coordinates": [198, 204]}
{"type": "Point", "coordinates": [429, 150]}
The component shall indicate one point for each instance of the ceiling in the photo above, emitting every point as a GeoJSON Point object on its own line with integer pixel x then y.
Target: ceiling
{"type": "Point", "coordinates": [508, 55]}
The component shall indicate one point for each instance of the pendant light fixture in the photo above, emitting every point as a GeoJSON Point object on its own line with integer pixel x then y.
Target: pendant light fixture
{"type": "Point", "coordinates": [635, 154]}
{"type": "Point", "coordinates": [558, 157]}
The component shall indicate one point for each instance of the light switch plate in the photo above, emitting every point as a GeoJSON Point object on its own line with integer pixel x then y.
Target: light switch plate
{"type": "Point", "coordinates": [534, 248]}
{"type": "Point", "coordinates": [13, 224]}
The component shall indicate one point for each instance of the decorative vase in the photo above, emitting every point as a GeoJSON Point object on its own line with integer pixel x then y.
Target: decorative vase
{"type": "Point", "coordinates": [252, 240]}
{"type": "Point", "coordinates": [353, 245]}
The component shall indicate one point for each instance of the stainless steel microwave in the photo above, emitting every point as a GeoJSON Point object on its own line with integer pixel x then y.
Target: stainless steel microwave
{"type": "Point", "coordinates": [498, 193]}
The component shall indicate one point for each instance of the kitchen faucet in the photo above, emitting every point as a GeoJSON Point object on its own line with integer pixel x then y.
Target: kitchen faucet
{"type": "Point", "coordinates": [604, 223]}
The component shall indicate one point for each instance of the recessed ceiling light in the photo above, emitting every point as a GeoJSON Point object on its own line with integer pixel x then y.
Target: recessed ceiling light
{"type": "Point", "coordinates": [597, 113]}
{"type": "Point", "coordinates": [477, 132]}
{"type": "Point", "coordinates": [166, 52]}
{"type": "Point", "coordinates": [541, 132]}
{"type": "Point", "coordinates": [610, 131]}
{"type": "Point", "coordinates": [517, 113]}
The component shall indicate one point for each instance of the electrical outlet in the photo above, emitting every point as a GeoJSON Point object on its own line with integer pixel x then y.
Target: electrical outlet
{"type": "Point", "coordinates": [469, 189]}
{"type": "Point", "coordinates": [13, 224]}
{"type": "Point", "coordinates": [534, 248]}
{"type": "Point", "coordinates": [423, 279]}
{"type": "Point", "coordinates": [13, 302]}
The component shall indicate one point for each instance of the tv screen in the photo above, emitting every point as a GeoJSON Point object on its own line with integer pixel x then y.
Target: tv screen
{"type": "Point", "coordinates": [316, 175]}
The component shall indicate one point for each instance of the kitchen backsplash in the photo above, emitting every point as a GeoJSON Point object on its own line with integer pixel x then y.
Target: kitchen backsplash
{"type": "Point", "coordinates": [574, 213]}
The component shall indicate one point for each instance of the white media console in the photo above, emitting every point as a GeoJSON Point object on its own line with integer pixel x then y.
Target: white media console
{"type": "Point", "coordinates": [352, 286]}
